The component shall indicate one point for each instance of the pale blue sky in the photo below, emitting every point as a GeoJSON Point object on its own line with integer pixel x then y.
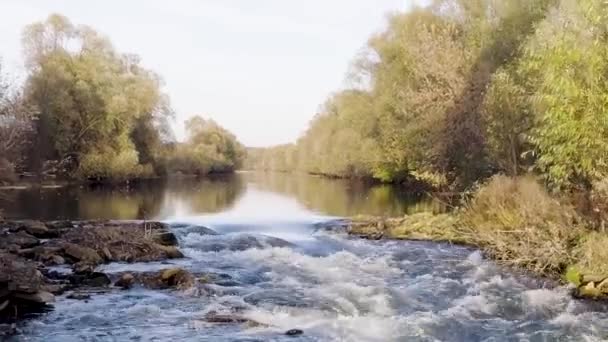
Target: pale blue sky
{"type": "Point", "coordinates": [259, 68]}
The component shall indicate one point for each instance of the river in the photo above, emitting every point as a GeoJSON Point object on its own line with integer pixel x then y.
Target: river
{"type": "Point", "coordinates": [332, 287]}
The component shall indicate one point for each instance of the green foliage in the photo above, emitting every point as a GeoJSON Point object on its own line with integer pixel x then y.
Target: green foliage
{"type": "Point", "coordinates": [442, 99]}
{"type": "Point", "coordinates": [208, 149]}
{"type": "Point", "coordinates": [90, 98]}
{"type": "Point", "coordinates": [568, 57]}
{"type": "Point", "coordinates": [509, 122]}
{"type": "Point", "coordinates": [103, 116]}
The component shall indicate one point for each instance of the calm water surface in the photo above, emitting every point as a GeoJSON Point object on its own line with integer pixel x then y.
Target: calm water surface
{"type": "Point", "coordinates": [332, 287]}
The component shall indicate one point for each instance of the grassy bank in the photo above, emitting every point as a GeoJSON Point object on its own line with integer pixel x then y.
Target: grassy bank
{"type": "Point", "coordinates": [516, 222]}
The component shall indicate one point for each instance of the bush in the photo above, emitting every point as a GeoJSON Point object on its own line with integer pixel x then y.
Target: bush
{"type": "Point", "coordinates": [592, 254]}
{"type": "Point", "coordinates": [599, 201]}
{"type": "Point", "coordinates": [517, 222]}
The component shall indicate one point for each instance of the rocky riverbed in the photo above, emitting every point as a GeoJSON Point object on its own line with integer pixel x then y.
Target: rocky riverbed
{"type": "Point", "coordinates": [314, 280]}
{"type": "Point", "coordinates": [39, 260]}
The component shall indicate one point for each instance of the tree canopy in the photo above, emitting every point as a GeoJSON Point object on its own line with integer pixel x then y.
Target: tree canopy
{"type": "Point", "coordinates": [460, 90]}
{"type": "Point", "coordinates": [97, 113]}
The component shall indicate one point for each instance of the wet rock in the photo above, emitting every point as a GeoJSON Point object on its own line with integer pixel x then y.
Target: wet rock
{"type": "Point", "coordinates": [40, 297]}
{"type": "Point", "coordinates": [81, 253]}
{"type": "Point", "coordinates": [55, 289]}
{"type": "Point", "coordinates": [215, 317]}
{"type": "Point", "coordinates": [126, 281]}
{"type": "Point", "coordinates": [20, 239]}
{"type": "Point", "coordinates": [126, 242]}
{"type": "Point", "coordinates": [83, 268]}
{"type": "Point", "coordinates": [46, 254]}
{"type": "Point", "coordinates": [200, 230]}
{"type": "Point", "coordinates": [588, 291]}
{"type": "Point", "coordinates": [35, 228]}
{"type": "Point", "coordinates": [294, 332]}
{"type": "Point", "coordinates": [56, 260]}
{"type": "Point", "coordinates": [90, 279]}
{"type": "Point", "coordinates": [79, 296]}
{"type": "Point", "coordinates": [165, 238]}
{"type": "Point", "coordinates": [171, 252]}
{"type": "Point", "coordinates": [17, 275]}
{"type": "Point", "coordinates": [240, 242]}
{"type": "Point", "coordinates": [177, 277]}
{"type": "Point", "coordinates": [58, 225]}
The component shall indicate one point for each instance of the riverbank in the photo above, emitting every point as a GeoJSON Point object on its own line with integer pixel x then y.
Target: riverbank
{"type": "Point", "coordinates": [449, 228]}
{"type": "Point", "coordinates": [40, 260]}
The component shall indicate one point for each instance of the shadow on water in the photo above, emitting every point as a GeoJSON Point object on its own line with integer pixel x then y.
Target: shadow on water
{"type": "Point", "coordinates": [160, 199]}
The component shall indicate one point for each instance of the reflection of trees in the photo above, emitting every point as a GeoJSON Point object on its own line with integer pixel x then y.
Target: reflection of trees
{"type": "Point", "coordinates": [84, 202]}
{"type": "Point", "coordinates": [147, 199]}
{"type": "Point", "coordinates": [141, 201]}
{"type": "Point", "coordinates": [344, 197]}
{"type": "Point", "coordinates": [209, 195]}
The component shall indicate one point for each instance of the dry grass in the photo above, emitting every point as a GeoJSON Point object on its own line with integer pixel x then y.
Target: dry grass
{"type": "Point", "coordinates": [517, 222]}
{"type": "Point", "coordinates": [592, 254]}
{"type": "Point", "coordinates": [599, 200]}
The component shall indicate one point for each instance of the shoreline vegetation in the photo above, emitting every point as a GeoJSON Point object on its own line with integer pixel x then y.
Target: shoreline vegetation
{"type": "Point", "coordinates": [504, 101]}
{"type": "Point", "coordinates": [516, 223]}
{"type": "Point", "coordinates": [501, 101]}
{"type": "Point", "coordinates": [86, 112]}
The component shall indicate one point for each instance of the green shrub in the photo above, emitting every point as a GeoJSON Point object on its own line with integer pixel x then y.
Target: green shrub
{"type": "Point", "coordinates": [592, 255]}
{"type": "Point", "coordinates": [517, 222]}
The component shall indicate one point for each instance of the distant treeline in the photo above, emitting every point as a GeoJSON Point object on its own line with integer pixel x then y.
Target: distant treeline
{"type": "Point", "coordinates": [86, 111]}
{"type": "Point", "coordinates": [460, 90]}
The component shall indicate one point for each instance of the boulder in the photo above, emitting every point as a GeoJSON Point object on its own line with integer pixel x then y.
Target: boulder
{"type": "Point", "coordinates": [19, 275]}
{"type": "Point", "coordinates": [603, 286]}
{"type": "Point", "coordinates": [588, 290]}
{"type": "Point", "coordinates": [177, 277]}
{"type": "Point", "coordinates": [171, 252]}
{"type": "Point", "coordinates": [126, 242]}
{"type": "Point", "coordinates": [46, 254]}
{"type": "Point", "coordinates": [21, 239]}
{"type": "Point", "coordinates": [294, 332]}
{"type": "Point", "coordinates": [90, 279]}
{"type": "Point", "coordinates": [78, 296]}
{"type": "Point", "coordinates": [81, 253]}
{"type": "Point", "coordinates": [126, 281]}
{"type": "Point", "coordinates": [165, 238]}
{"type": "Point", "coordinates": [55, 289]}
{"type": "Point", "coordinates": [40, 297]}
{"type": "Point", "coordinates": [199, 230]}
{"type": "Point", "coordinates": [36, 228]}
{"type": "Point", "coordinates": [215, 317]}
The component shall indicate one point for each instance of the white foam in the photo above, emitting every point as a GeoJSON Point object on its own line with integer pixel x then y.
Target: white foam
{"type": "Point", "coordinates": [545, 299]}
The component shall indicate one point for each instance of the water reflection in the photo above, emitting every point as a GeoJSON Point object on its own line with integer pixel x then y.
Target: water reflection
{"type": "Point", "coordinates": [345, 197]}
{"type": "Point", "coordinates": [183, 197]}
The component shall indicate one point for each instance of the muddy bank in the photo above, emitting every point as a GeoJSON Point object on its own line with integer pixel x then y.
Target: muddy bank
{"type": "Point", "coordinates": [39, 260]}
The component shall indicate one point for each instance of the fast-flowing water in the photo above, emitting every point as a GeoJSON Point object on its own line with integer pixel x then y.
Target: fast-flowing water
{"type": "Point", "coordinates": [273, 263]}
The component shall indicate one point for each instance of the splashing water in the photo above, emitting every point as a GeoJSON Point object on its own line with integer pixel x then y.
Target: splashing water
{"type": "Point", "coordinates": [289, 275]}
